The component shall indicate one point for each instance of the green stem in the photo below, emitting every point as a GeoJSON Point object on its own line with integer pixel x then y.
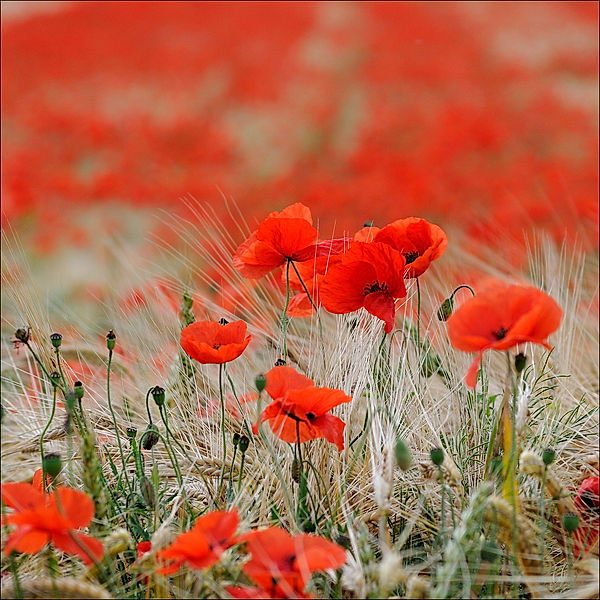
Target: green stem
{"type": "Point", "coordinates": [43, 368]}
{"type": "Point", "coordinates": [60, 369]}
{"type": "Point", "coordinates": [222, 399]}
{"type": "Point", "coordinates": [464, 285]}
{"type": "Point", "coordinates": [114, 418]}
{"type": "Point", "coordinates": [285, 308]}
{"type": "Point", "coordinates": [319, 322]}
{"type": "Point", "coordinates": [42, 438]}
{"type": "Point", "coordinates": [246, 425]}
{"type": "Point", "coordinates": [443, 507]}
{"type": "Point", "coordinates": [241, 474]}
{"type": "Point", "coordinates": [542, 518]}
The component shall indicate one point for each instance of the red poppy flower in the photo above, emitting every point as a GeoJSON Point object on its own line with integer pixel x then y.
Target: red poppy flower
{"type": "Point", "coordinates": [282, 564]}
{"type": "Point", "coordinates": [300, 408]}
{"type": "Point", "coordinates": [282, 236]}
{"type": "Point", "coordinates": [587, 503]}
{"type": "Point", "coordinates": [419, 241]}
{"type": "Point", "coordinates": [41, 518]}
{"type": "Point", "coordinates": [370, 276]}
{"type": "Point", "coordinates": [212, 343]}
{"type": "Point", "coordinates": [201, 546]}
{"type": "Point", "coordinates": [500, 317]}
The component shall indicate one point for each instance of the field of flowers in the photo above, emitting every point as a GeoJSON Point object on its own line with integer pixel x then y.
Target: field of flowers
{"type": "Point", "coordinates": [300, 299]}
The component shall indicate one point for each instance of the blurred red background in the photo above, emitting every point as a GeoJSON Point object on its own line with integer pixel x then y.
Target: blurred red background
{"type": "Point", "coordinates": [482, 115]}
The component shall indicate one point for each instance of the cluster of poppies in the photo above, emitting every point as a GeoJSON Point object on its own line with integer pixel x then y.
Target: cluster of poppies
{"type": "Point", "coordinates": [280, 564]}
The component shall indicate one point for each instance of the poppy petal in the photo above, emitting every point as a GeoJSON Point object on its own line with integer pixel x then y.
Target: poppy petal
{"type": "Point", "coordinates": [471, 377]}
{"type": "Point", "coordinates": [281, 379]}
{"type": "Point", "coordinates": [315, 400]}
{"type": "Point", "coordinates": [289, 237]}
{"type": "Point", "coordinates": [27, 540]}
{"type": "Point", "coordinates": [381, 305]}
{"type": "Point", "coordinates": [331, 428]}
{"type": "Point", "coordinates": [22, 496]}
{"type": "Point", "coordinates": [75, 506]}
{"type": "Point", "coordinates": [79, 544]}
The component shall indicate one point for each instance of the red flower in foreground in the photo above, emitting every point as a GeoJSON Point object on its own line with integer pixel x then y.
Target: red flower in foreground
{"type": "Point", "coordinates": [300, 408]}
{"type": "Point", "coordinates": [282, 564]}
{"type": "Point", "coordinates": [41, 518]}
{"type": "Point", "coordinates": [212, 343]}
{"type": "Point", "coordinates": [501, 317]}
{"type": "Point", "coordinates": [370, 275]}
{"type": "Point", "coordinates": [587, 503]}
{"type": "Point", "coordinates": [201, 546]}
{"type": "Point", "coordinates": [419, 241]}
{"type": "Point", "coordinates": [282, 236]}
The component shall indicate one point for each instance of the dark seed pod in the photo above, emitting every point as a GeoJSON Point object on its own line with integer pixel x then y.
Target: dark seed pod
{"type": "Point", "coordinates": [22, 335]}
{"type": "Point", "coordinates": [244, 443]}
{"type": "Point", "coordinates": [55, 378]}
{"type": "Point", "coordinates": [223, 321]}
{"type": "Point", "coordinates": [570, 522]}
{"type": "Point", "coordinates": [520, 362]}
{"type": "Point", "coordinates": [548, 456]}
{"type": "Point", "coordinates": [111, 340]}
{"type": "Point", "coordinates": [236, 439]}
{"type": "Point", "coordinates": [158, 395]}
{"type": "Point", "coordinates": [150, 437]}
{"type": "Point", "coordinates": [78, 389]}
{"type": "Point", "coordinates": [56, 339]}
{"type": "Point", "coordinates": [296, 470]}
{"type": "Point", "coordinates": [280, 362]}
{"type": "Point", "coordinates": [131, 432]}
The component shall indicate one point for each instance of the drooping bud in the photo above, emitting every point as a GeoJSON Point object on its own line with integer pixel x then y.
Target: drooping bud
{"type": "Point", "coordinates": [402, 455]}
{"type": "Point", "coordinates": [570, 522]}
{"type": "Point", "coordinates": [244, 443]}
{"type": "Point", "coordinates": [131, 432]}
{"type": "Point", "coordinates": [150, 437]}
{"type": "Point", "coordinates": [111, 340]}
{"type": "Point", "coordinates": [445, 309]}
{"type": "Point", "coordinates": [158, 395]}
{"type": "Point", "coordinates": [147, 491]}
{"type": "Point", "coordinates": [548, 456]}
{"type": "Point", "coordinates": [55, 378]}
{"type": "Point", "coordinates": [78, 389]}
{"type": "Point", "coordinates": [22, 335]}
{"type": "Point", "coordinates": [437, 456]}
{"type": "Point", "coordinates": [520, 362]}
{"type": "Point", "coordinates": [489, 552]}
{"type": "Point", "coordinates": [56, 339]}
{"type": "Point", "coordinates": [260, 382]}
{"type": "Point", "coordinates": [52, 464]}
{"type": "Point", "coordinates": [280, 362]}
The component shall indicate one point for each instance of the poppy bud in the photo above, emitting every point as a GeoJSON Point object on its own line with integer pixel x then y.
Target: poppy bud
{"type": "Point", "coordinates": [570, 522]}
{"type": "Point", "coordinates": [437, 456]}
{"type": "Point", "coordinates": [280, 362]}
{"type": "Point", "coordinates": [402, 454]}
{"type": "Point", "coordinates": [223, 321]}
{"type": "Point", "coordinates": [236, 439]}
{"type": "Point", "coordinates": [520, 362]}
{"type": "Point", "coordinates": [131, 432]}
{"type": "Point", "coordinates": [78, 389]}
{"type": "Point", "coordinates": [244, 443]}
{"type": "Point", "coordinates": [56, 339]}
{"type": "Point", "coordinates": [296, 470]}
{"type": "Point", "coordinates": [548, 456]}
{"type": "Point", "coordinates": [52, 464]}
{"type": "Point", "coordinates": [111, 340]}
{"type": "Point", "coordinates": [150, 437]}
{"type": "Point", "coordinates": [147, 491]}
{"type": "Point", "coordinates": [55, 378]}
{"type": "Point", "coordinates": [489, 552]}
{"type": "Point", "coordinates": [186, 302]}
{"type": "Point", "coordinates": [260, 382]}
{"type": "Point", "coordinates": [158, 395]}
{"type": "Point", "coordinates": [445, 310]}
{"type": "Point", "coordinates": [22, 335]}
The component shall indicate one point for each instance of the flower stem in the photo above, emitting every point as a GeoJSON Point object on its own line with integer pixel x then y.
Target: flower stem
{"type": "Point", "coordinates": [42, 438]}
{"type": "Point", "coordinates": [222, 477]}
{"type": "Point", "coordinates": [464, 285]}
{"type": "Point", "coordinates": [114, 418]}
{"type": "Point", "coordinates": [285, 308]}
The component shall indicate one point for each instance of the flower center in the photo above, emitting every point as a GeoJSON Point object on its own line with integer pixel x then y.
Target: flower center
{"type": "Point", "coordinates": [500, 333]}
{"type": "Point", "coordinates": [217, 346]}
{"type": "Point", "coordinates": [411, 256]}
{"type": "Point", "coordinates": [375, 287]}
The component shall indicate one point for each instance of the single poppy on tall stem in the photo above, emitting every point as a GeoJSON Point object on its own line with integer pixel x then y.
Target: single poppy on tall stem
{"type": "Point", "coordinates": [216, 343]}
{"type": "Point", "coordinates": [500, 317]}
